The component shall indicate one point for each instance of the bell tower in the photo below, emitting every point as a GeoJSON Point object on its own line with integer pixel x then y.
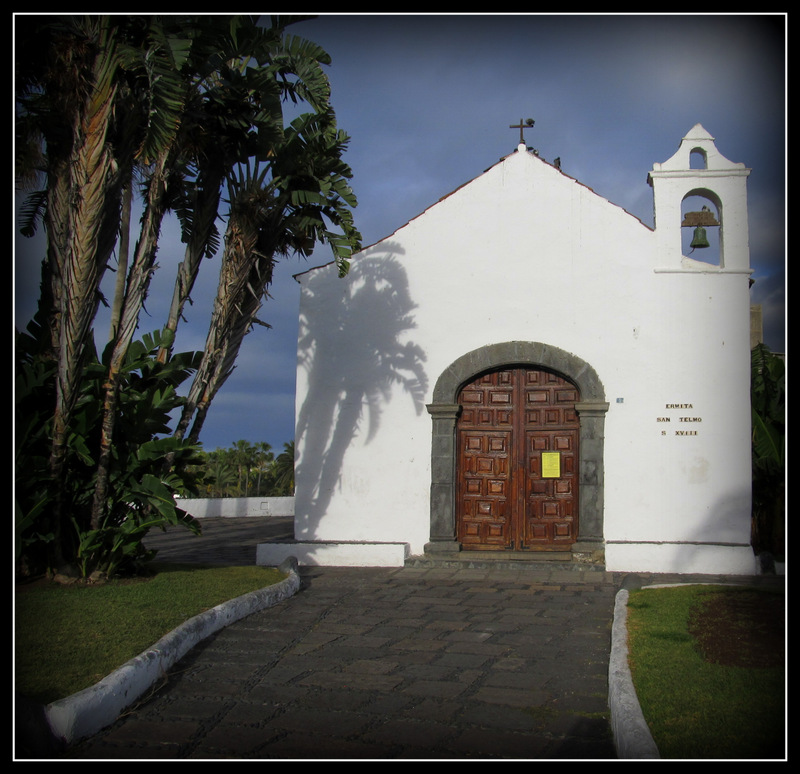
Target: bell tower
{"type": "Point", "coordinates": [698, 172]}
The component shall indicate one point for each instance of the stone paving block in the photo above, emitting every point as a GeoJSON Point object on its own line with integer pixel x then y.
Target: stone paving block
{"type": "Point", "coordinates": [494, 743]}
{"type": "Point", "coordinates": [487, 716]}
{"type": "Point", "coordinates": [190, 709]}
{"type": "Point", "coordinates": [404, 657]}
{"type": "Point", "coordinates": [392, 704]}
{"type": "Point", "coordinates": [371, 666]}
{"type": "Point", "coordinates": [425, 672]}
{"type": "Point", "coordinates": [279, 695]}
{"type": "Point", "coordinates": [335, 698]}
{"type": "Point", "coordinates": [290, 663]}
{"type": "Point", "coordinates": [227, 740]}
{"type": "Point", "coordinates": [299, 745]}
{"type": "Point", "coordinates": [207, 688]}
{"type": "Point", "coordinates": [510, 664]}
{"type": "Point", "coordinates": [467, 636]}
{"type": "Point", "coordinates": [469, 676]}
{"type": "Point", "coordinates": [413, 623]}
{"type": "Point", "coordinates": [413, 643]}
{"type": "Point", "coordinates": [511, 697]}
{"type": "Point", "coordinates": [134, 751]}
{"type": "Point", "coordinates": [575, 748]}
{"type": "Point", "coordinates": [363, 642]}
{"type": "Point", "coordinates": [313, 642]}
{"type": "Point", "coordinates": [567, 724]}
{"type": "Point", "coordinates": [463, 660]}
{"type": "Point", "coordinates": [443, 625]}
{"type": "Point", "coordinates": [281, 673]}
{"type": "Point", "coordinates": [349, 680]}
{"type": "Point", "coordinates": [340, 725]}
{"type": "Point", "coordinates": [494, 624]}
{"type": "Point", "coordinates": [444, 689]}
{"type": "Point", "coordinates": [392, 631]}
{"type": "Point", "coordinates": [534, 679]}
{"type": "Point", "coordinates": [478, 648]}
{"type": "Point", "coordinates": [250, 713]}
{"type": "Point", "coordinates": [589, 704]}
{"type": "Point", "coordinates": [423, 708]}
{"type": "Point", "coordinates": [173, 732]}
{"type": "Point", "coordinates": [404, 733]}
{"type": "Point", "coordinates": [433, 600]}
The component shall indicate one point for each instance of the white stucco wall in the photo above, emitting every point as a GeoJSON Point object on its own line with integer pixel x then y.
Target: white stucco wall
{"type": "Point", "coordinates": [525, 253]}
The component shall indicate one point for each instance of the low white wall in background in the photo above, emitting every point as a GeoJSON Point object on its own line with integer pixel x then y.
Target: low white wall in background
{"type": "Point", "coordinates": [237, 506]}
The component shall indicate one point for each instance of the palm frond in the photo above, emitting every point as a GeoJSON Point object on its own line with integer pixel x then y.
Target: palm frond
{"type": "Point", "coordinates": [31, 212]}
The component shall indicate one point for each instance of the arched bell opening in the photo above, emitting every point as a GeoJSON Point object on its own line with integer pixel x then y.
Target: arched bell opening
{"type": "Point", "coordinates": [701, 227]}
{"type": "Point", "coordinates": [698, 159]}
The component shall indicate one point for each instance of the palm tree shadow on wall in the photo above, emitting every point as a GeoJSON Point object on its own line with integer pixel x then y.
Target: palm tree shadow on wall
{"type": "Point", "coordinates": [355, 350]}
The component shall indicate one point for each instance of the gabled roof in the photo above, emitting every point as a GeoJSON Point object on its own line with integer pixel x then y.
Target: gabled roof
{"type": "Point", "coordinates": [520, 149]}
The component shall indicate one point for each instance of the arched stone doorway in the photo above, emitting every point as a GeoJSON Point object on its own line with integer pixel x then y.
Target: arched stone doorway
{"type": "Point", "coordinates": [591, 408]}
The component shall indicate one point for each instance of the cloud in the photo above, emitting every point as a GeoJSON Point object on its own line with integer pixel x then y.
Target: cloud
{"type": "Point", "coordinates": [428, 101]}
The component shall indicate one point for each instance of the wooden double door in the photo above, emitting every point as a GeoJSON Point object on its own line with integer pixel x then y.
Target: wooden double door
{"type": "Point", "coordinates": [517, 461]}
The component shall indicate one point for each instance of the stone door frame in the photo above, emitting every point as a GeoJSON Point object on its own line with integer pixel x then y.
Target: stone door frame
{"type": "Point", "coordinates": [591, 408]}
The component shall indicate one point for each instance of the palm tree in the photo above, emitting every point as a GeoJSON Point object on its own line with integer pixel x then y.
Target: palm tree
{"type": "Point", "coordinates": [67, 96]}
{"type": "Point", "coordinates": [209, 70]}
{"type": "Point", "coordinates": [263, 462]}
{"type": "Point", "coordinates": [231, 118]}
{"type": "Point", "coordinates": [275, 209]}
{"type": "Point", "coordinates": [219, 472]}
{"type": "Point", "coordinates": [283, 471]}
{"type": "Point", "coordinates": [243, 456]}
{"type": "Point", "coordinates": [188, 105]}
{"type": "Point", "coordinates": [165, 75]}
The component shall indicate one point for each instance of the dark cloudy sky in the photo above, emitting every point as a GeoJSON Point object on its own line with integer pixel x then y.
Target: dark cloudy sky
{"type": "Point", "coordinates": [428, 101]}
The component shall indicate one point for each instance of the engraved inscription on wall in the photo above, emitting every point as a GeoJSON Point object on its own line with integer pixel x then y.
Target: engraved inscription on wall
{"type": "Point", "coordinates": [681, 422]}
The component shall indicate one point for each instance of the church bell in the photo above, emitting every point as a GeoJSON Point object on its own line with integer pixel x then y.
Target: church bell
{"type": "Point", "coordinates": [699, 239]}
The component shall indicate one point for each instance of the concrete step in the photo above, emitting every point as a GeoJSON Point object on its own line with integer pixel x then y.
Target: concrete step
{"type": "Point", "coordinates": [502, 560]}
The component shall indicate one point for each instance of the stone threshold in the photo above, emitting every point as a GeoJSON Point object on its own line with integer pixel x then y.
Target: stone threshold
{"type": "Point", "coordinates": [514, 560]}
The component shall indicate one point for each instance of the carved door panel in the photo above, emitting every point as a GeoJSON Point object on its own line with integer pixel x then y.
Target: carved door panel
{"type": "Point", "coordinates": [517, 461]}
{"type": "Point", "coordinates": [551, 427]}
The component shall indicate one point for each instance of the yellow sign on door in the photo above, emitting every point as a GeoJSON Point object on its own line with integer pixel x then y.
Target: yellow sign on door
{"type": "Point", "coordinates": [551, 464]}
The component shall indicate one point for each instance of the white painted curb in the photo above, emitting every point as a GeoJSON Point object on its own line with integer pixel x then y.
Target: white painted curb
{"type": "Point", "coordinates": [85, 713]}
{"type": "Point", "coordinates": [632, 735]}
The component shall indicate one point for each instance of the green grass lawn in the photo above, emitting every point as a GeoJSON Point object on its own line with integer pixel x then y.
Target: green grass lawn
{"type": "Point", "coordinates": [696, 708]}
{"type": "Point", "coordinates": [67, 638]}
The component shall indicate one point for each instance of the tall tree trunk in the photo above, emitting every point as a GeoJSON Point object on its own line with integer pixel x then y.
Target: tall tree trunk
{"type": "Point", "coordinates": [122, 261]}
{"type": "Point", "coordinates": [135, 294]}
{"type": "Point", "coordinates": [85, 215]}
{"type": "Point", "coordinates": [205, 213]}
{"type": "Point", "coordinates": [245, 273]}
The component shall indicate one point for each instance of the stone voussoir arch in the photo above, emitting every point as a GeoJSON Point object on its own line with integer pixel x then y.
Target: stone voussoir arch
{"type": "Point", "coordinates": [591, 408]}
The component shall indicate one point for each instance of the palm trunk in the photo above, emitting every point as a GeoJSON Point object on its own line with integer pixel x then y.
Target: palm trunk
{"type": "Point", "coordinates": [85, 212]}
{"type": "Point", "coordinates": [122, 261]}
{"type": "Point", "coordinates": [135, 294]}
{"type": "Point", "coordinates": [245, 273]}
{"type": "Point", "coordinates": [205, 213]}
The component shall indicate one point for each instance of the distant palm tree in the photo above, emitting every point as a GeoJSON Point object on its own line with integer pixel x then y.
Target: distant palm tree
{"type": "Point", "coordinates": [244, 456]}
{"type": "Point", "coordinates": [283, 471]}
{"type": "Point", "coordinates": [222, 474]}
{"type": "Point", "coordinates": [263, 462]}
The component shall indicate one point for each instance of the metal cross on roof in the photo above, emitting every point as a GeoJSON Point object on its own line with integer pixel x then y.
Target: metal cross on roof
{"type": "Point", "coordinates": [529, 122]}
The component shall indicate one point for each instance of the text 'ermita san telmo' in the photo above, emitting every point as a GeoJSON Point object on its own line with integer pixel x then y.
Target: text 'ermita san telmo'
{"type": "Point", "coordinates": [679, 418]}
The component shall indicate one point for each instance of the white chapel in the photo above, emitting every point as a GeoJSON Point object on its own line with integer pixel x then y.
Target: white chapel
{"type": "Point", "coordinates": [526, 369]}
